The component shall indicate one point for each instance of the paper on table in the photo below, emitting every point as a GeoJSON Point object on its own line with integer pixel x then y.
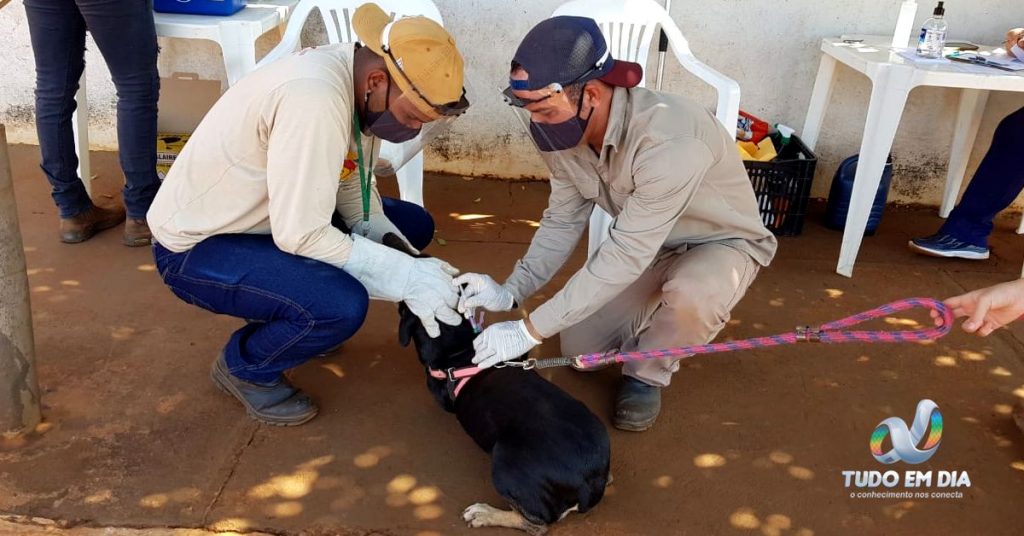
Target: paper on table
{"type": "Point", "coordinates": [973, 68]}
{"type": "Point", "coordinates": [1008, 63]}
{"type": "Point", "coordinates": [911, 54]}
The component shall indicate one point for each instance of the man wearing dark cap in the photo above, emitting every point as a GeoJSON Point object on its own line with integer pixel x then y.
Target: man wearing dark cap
{"type": "Point", "coordinates": [687, 238]}
{"type": "Point", "coordinates": [242, 225]}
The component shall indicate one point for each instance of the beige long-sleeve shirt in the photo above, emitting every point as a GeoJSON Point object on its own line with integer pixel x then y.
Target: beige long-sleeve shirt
{"type": "Point", "coordinates": [670, 176]}
{"type": "Point", "coordinates": [267, 159]}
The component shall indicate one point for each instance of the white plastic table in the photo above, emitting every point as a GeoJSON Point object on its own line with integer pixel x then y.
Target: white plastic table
{"type": "Point", "coordinates": [236, 34]}
{"type": "Point", "coordinates": [892, 78]}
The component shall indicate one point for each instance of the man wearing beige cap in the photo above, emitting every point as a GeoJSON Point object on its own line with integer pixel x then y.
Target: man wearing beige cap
{"type": "Point", "coordinates": [242, 225]}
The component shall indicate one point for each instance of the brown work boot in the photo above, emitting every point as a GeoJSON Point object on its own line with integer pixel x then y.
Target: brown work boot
{"type": "Point", "coordinates": [136, 233]}
{"type": "Point", "coordinates": [83, 226]}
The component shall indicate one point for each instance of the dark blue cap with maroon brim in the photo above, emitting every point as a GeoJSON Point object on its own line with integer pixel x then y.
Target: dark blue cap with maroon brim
{"type": "Point", "coordinates": [568, 50]}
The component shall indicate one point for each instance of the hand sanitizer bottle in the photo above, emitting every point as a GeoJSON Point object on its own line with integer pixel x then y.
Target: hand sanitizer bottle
{"type": "Point", "coordinates": [933, 34]}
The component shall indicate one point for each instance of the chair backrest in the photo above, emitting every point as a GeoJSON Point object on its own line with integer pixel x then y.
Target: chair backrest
{"type": "Point", "coordinates": [337, 17]}
{"type": "Point", "coordinates": [337, 14]}
{"type": "Point", "coordinates": [629, 26]}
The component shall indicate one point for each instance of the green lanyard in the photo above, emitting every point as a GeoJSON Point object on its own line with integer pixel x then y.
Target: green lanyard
{"type": "Point", "coordinates": [364, 177]}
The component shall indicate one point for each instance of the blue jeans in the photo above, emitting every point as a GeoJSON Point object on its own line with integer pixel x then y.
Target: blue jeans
{"type": "Point", "coordinates": [126, 36]}
{"type": "Point", "coordinates": [998, 181]}
{"type": "Point", "coordinates": [303, 306]}
{"type": "Point", "coordinates": [415, 223]}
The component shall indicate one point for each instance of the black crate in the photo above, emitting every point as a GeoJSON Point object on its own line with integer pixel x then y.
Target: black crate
{"type": "Point", "coordinates": [783, 187]}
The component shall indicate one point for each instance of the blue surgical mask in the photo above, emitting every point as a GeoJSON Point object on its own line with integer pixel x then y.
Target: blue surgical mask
{"type": "Point", "coordinates": [561, 136]}
{"type": "Point", "coordinates": [384, 125]}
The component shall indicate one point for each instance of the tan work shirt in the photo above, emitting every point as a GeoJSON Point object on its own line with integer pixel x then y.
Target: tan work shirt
{"type": "Point", "coordinates": [267, 159]}
{"type": "Point", "coordinates": [669, 174]}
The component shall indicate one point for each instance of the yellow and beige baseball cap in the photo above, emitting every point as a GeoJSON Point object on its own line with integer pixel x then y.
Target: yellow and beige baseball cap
{"type": "Point", "coordinates": [420, 55]}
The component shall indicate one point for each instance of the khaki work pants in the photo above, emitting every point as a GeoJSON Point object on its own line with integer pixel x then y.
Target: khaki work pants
{"type": "Point", "coordinates": [682, 299]}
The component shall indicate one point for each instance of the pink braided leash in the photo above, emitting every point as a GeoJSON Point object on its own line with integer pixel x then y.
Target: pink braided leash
{"type": "Point", "coordinates": [827, 333]}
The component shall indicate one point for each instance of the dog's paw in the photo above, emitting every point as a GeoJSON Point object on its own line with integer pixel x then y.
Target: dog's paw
{"type": "Point", "coordinates": [478, 515]}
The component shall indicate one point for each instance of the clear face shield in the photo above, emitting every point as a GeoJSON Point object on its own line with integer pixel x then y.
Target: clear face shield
{"type": "Point", "coordinates": [383, 158]}
{"type": "Point", "coordinates": [395, 155]}
{"type": "Point", "coordinates": [551, 119]}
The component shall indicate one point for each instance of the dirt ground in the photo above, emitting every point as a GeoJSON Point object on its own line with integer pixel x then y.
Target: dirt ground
{"type": "Point", "coordinates": [137, 437]}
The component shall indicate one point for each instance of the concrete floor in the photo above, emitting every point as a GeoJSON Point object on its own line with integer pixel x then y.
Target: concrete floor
{"type": "Point", "coordinates": [748, 443]}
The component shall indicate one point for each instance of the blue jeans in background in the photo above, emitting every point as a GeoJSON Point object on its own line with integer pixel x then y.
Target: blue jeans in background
{"type": "Point", "coordinates": [125, 34]}
{"type": "Point", "coordinates": [415, 223]}
{"type": "Point", "coordinates": [303, 306]}
{"type": "Point", "coordinates": [997, 182]}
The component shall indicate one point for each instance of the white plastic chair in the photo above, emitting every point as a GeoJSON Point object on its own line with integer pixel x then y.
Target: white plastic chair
{"type": "Point", "coordinates": [629, 26]}
{"type": "Point", "coordinates": [337, 17]}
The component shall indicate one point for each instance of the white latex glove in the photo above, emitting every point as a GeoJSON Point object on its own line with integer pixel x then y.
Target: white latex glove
{"type": "Point", "coordinates": [502, 342]}
{"type": "Point", "coordinates": [482, 291]}
{"type": "Point", "coordinates": [425, 285]}
{"type": "Point", "coordinates": [376, 227]}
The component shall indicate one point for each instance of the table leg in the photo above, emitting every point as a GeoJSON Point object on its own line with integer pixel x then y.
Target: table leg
{"type": "Point", "coordinates": [968, 119]}
{"type": "Point", "coordinates": [888, 98]}
{"type": "Point", "coordinates": [80, 129]}
{"type": "Point", "coordinates": [819, 101]}
{"type": "Point", "coordinates": [239, 48]}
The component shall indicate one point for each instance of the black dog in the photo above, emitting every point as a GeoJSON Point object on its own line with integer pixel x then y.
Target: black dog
{"type": "Point", "coordinates": [549, 453]}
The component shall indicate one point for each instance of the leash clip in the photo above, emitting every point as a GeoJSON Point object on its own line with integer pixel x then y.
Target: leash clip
{"type": "Point", "coordinates": [808, 334]}
{"type": "Point", "coordinates": [525, 365]}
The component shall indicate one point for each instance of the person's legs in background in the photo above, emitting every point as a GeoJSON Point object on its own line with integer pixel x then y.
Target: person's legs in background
{"type": "Point", "coordinates": [997, 182]}
{"type": "Point", "coordinates": [126, 36]}
{"type": "Point", "coordinates": [315, 307]}
{"type": "Point", "coordinates": [413, 220]}
{"type": "Point", "coordinates": [57, 31]}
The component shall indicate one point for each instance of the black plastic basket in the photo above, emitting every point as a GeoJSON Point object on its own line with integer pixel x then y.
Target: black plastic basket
{"type": "Point", "coordinates": [783, 187]}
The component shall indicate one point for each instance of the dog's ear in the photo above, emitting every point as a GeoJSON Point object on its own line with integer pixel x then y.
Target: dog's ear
{"type": "Point", "coordinates": [406, 324]}
{"type": "Point", "coordinates": [392, 241]}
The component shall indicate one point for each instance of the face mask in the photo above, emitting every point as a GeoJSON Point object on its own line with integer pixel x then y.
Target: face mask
{"type": "Point", "coordinates": [560, 136]}
{"type": "Point", "coordinates": [384, 125]}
